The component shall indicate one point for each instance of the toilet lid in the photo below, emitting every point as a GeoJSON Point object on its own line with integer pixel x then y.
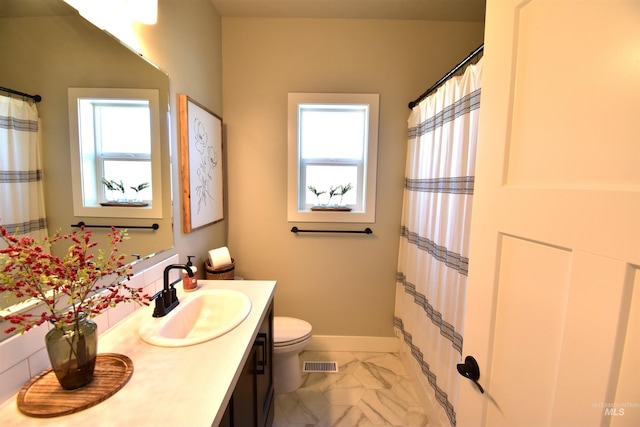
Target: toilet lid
{"type": "Point", "coordinates": [286, 329]}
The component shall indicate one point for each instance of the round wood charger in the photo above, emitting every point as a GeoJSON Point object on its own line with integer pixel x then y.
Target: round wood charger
{"type": "Point", "coordinates": [43, 397]}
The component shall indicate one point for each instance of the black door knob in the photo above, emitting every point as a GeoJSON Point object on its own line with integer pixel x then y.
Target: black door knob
{"type": "Point", "coordinates": [471, 370]}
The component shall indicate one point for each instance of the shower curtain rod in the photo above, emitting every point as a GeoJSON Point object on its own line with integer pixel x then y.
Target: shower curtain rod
{"type": "Point", "coordinates": [36, 98]}
{"type": "Point", "coordinates": [446, 76]}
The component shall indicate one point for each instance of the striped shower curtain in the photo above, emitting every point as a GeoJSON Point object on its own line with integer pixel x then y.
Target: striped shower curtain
{"type": "Point", "coordinates": [21, 188]}
{"type": "Point", "coordinates": [434, 237]}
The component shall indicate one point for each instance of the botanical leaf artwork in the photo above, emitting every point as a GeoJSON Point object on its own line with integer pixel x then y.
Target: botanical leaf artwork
{"type": "Point", "coordinates": [202, 160]}
{"type": "Point", "coordinates": [207, 164]}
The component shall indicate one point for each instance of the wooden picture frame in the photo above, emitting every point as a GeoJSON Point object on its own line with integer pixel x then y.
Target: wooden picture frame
{"type": "Point", "coordinates": [201, 168]}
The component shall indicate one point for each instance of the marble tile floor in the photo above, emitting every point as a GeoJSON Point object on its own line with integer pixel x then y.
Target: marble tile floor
{"type": "Point", "coordinates": [370, 389]}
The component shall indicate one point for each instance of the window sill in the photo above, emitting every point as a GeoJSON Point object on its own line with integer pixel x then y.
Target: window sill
{"type": "Point", "coordinates": [330, 209]}
{"type": "Point", "coordinates": [126, 204]}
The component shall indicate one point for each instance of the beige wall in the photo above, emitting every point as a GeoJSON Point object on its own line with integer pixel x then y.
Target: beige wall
{"type": "Point", "coordinates": [341, 284]}
{"type": "Point", "coordinates": [186, 44]}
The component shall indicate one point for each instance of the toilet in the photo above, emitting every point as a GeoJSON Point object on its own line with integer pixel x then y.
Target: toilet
{"type": "Point", "coordinates": [290, 337]}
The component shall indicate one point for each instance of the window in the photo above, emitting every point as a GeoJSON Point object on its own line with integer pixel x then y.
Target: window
{"type": "Point", "coordinates": [333, 145]}
{"type": "Point", "coordinates": [115, 152]}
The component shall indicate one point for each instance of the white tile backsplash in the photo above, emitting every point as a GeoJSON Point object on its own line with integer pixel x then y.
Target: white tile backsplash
{"type": "Point", "coordinates": [13, 379]}
{"type": "Point", "coordinates": [39, 362]}
{"type": "Point", "coordinates": [19, 347]}
{"type": "Point", "coordinates": [102, 321]}
{"type": "Point", "coordinates": [24, 356]}
{"type": "Point", "coordinates": [119, 312]}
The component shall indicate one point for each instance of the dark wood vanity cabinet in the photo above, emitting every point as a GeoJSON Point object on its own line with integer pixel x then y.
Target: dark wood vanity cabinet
{"type": "Point", "coordinates": [252, 401]}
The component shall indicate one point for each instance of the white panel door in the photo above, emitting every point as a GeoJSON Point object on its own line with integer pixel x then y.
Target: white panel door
{"type": "Point", "coordinates": [552, 312]}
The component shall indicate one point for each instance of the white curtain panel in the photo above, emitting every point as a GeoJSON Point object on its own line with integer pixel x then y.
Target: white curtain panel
{"type": "Point", "coordinates": [21, 188]}
{"type": "Point", "coordinates": [434, 242]}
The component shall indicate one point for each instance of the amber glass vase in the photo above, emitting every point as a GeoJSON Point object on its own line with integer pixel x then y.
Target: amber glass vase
{"type": "Point", "coordinates": [72, 350]}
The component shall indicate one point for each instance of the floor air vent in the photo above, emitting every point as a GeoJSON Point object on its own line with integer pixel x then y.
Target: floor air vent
{"type": "Point", "coordinates": [320, 367]}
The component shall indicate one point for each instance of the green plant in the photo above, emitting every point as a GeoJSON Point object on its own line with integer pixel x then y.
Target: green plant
{"type": "Point", "coordinates": [108, 184]}
{"type": "Point", "coordinates": [316, 192]}
{"type": "Point", "coordinates": [332, 192]}
{"type": "Point", "coordinates": [343, 190]}
{"type": "Point", "coordinates": [113, 185]}
{"type": "Point", "coordinates": [140, 187]}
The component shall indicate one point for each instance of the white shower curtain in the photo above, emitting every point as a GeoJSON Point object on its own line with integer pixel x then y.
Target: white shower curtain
{"type": "Point", "coordinates": [434, 238]}
{"type": "Point", "coordinates": [21, 188]}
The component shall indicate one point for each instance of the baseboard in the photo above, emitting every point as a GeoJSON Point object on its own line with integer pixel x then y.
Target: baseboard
{"type": "Point", "coordinates": [353, 343]}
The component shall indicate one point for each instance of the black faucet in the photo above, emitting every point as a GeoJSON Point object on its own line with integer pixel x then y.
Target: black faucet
{"type": "Point", "coordinates": [167, 298]}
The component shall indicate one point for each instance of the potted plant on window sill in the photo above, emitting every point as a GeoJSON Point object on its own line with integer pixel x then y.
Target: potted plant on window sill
{"type": "Point", "coordinates": [317, 193]}
{"type": "Point", "coordinates": [118, 188]}
{"type": "Point", "coordinates": [341, 190]}
{"type": "Point", "coordinates": [138, 189]}
{"type": "Point", "coordinates": [73, 289]}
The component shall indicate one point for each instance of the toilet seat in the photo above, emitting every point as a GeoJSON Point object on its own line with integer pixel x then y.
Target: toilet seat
{"type": "Point", "coordinates": [289, 331]}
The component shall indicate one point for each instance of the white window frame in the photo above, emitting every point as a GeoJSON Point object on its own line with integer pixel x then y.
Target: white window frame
{"type": "Point", "coordinates": [296, 185]}
{"type": "Point", "coordinates": [100, 155]}
{"type": "Point", "coordinates": [80, 168]}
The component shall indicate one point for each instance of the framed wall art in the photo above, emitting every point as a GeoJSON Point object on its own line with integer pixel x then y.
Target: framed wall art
{"type": "Point", "coordinates": [200, 133]}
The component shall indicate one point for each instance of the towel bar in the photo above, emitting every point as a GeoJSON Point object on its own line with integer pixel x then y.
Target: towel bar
{"type": "Point", "coordinates": [365, 231]}
{"type": "Point", "coordinates": [153, 226]}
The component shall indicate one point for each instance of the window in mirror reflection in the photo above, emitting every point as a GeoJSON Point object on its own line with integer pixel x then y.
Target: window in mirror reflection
{"type": "Point", "coordinates": [117, 140]}
{"type": "Point", "coordinates": [115, 153]}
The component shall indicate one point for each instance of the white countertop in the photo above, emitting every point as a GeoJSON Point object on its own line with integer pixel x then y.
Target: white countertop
{"type": "Point", "coordinates": [185, 386]}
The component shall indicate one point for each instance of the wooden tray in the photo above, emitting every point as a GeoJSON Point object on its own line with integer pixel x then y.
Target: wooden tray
{"type": "Point", "coordinates": [43, 397]}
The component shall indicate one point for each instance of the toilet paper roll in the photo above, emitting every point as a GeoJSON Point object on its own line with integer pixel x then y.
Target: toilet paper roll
{"type": "Point", "coordinates": [219, 257]}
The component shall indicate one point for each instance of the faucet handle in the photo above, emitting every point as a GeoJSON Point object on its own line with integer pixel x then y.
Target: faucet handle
{"type": "Point", "coordinates": [159, 309]}
{"type": "Point", "coordinates": [173, 297]}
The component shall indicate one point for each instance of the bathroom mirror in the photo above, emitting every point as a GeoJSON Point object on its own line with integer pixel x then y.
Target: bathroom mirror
{"type": "Point", "coordinates": [47, 48]}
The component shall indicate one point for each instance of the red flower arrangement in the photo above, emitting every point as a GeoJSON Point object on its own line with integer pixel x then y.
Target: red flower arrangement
{"type": "Point", "coordinates": [80, 284]}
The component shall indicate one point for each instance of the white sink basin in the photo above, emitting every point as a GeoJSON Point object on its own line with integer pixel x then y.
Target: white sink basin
{"type": "Point", "coordinates": [201, 316]}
